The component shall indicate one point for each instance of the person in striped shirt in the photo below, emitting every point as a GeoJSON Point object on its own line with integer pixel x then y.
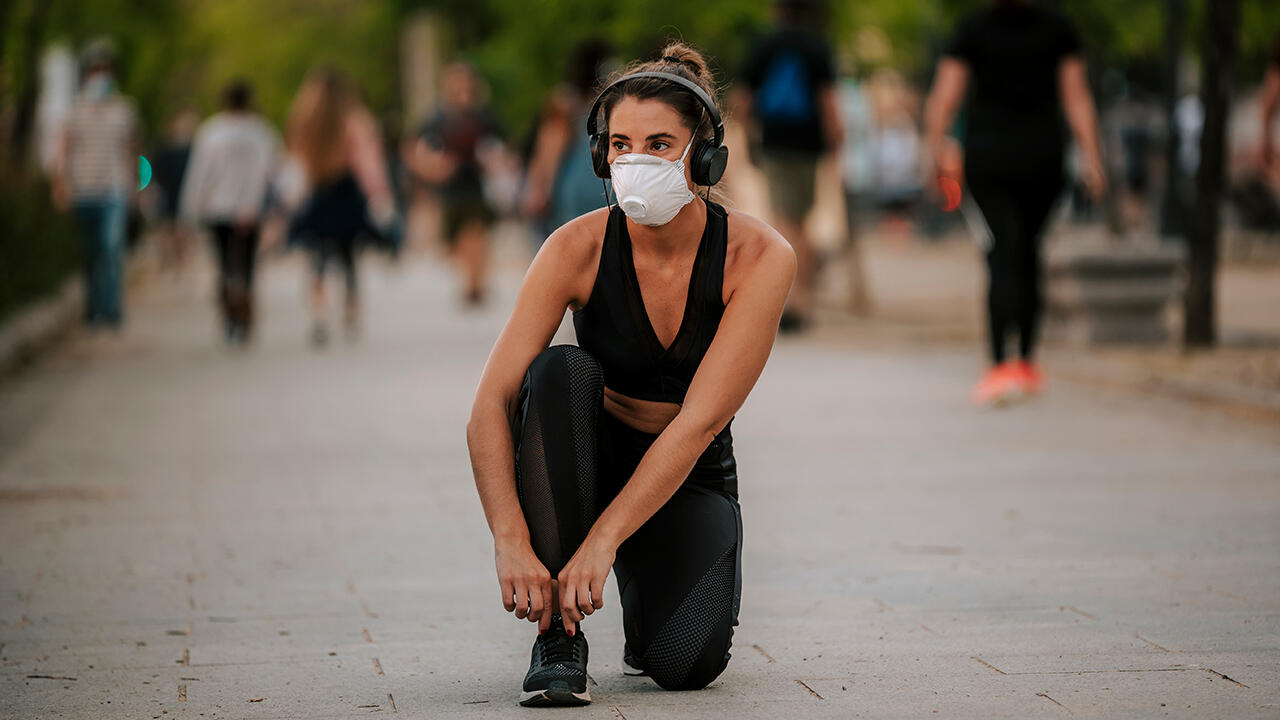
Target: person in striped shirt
{"type": "Point", "coordinates": [95, 173]}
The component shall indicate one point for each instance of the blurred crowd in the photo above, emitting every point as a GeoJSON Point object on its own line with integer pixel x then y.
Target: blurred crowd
{"type": "Point", "coordinates": [826, 145]}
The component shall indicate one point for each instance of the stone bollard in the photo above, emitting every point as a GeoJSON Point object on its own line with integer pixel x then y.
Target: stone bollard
{"type": "Point", "coordinates": [1111, 294]}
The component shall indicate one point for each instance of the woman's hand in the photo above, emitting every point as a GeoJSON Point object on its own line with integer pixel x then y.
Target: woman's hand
{"type": "Point", "coordinates": [581, 582]}
{"type": "Point", "coordinates": [524, 581]}
{"type": "Point", "coordinates": [1094, 178]}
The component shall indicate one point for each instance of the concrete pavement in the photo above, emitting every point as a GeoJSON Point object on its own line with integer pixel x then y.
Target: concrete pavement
{"type": "Point", "coordinates": [187, 531]}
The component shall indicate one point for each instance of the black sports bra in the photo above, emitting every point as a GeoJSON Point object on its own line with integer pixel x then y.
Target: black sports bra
{"type": "Point", "coordinates": [614, 327]}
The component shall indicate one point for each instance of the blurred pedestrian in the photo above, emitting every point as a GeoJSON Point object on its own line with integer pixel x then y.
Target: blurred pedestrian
{"type": "Point", "coordinates": [790, 82]}
{"type": "Point", "coordinates": [560, 185]}
{"type": "Point", "coordinates": [337, 142]}
{"type": "Point", "coordinates": [234, 158]}
{"type": "Point", "coordinates": [168, 166]}
{"type": "Point", "coordinates": [1269, 102]}
{"type": "Point", "coordinates": [96, 174]}
{"type": "Point", "coordinates": [1024, 63]}
{"type": "Point", "coordinates": [452, 151]}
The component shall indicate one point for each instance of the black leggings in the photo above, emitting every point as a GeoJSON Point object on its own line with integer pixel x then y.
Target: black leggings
{"type": "Point", "coordinates": [1016, 211]}
{"type": "Point", "coordinates": [680, 574]}
{"type": "Point", "coordinates": [237, 248]}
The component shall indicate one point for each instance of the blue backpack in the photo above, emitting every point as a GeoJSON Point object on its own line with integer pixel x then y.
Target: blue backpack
{"type": "Point", "coordinates": [785, 95]}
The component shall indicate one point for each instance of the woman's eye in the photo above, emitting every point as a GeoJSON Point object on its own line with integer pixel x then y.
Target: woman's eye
{"type": "Point", "coordinates": [660, 146]}
{"type": "Point", "coordinates": [619, 145]}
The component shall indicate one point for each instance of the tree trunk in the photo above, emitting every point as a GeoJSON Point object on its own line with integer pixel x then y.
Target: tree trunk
{"type": "Point", "coordinates": [29, 66]}
{"type": "Point", "coordinates": [1173, 213]}
{"type": "Point", "coordinates": [1221, 44]}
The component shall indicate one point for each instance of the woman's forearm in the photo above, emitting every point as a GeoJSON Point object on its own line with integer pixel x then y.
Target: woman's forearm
{"type": "Point", "coordinates": [945, 97]}
{"type": "Point", "coordinates": [493, 464]}
{"type": "Point", "coordinates": [661, 471]}
{"type": "Point", "coordinates": [1083, 119]}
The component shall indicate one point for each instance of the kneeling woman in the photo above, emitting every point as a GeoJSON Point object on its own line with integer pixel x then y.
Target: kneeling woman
{"type": "Point", "coordinates": [617, 453]}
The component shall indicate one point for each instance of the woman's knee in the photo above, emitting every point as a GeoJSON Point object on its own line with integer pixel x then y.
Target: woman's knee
{"type": "Point", "coordinates": [565, 367]}
{"type": "Point", "coordinates": [693, 673]}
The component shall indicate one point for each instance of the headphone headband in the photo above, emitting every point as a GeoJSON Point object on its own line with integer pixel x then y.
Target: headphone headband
{"type": "Point", "coordinates": [717, 125]}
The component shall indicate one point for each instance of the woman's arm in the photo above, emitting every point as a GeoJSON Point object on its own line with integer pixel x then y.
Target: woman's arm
{"type": "Point", "coordinates": [1267, 102]}
{"type": "Point", "coordinates": [1078, 106]}
{"type": "Point", "coordinates": [368, 164]}
{"type": "Point", "coordinates": [940, 108]}
{"type": "Point", "coordinates": [553, 138]}
{"type": "Point", "coordinates": [192, 192]}
{"type": "Point", "coordinates": [523, 581]}
{"type": "Point", "coordinates": [726, 375]}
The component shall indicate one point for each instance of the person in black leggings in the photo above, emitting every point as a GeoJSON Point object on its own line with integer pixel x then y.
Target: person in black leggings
{"type": "Point", "coordinates": [617, 453]}
{"type": "Point", "coordinates": [1024, 62]}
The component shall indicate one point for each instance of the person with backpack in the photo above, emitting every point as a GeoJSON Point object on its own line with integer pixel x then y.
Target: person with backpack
{"type": "Point", "coordinates": [791, 99]}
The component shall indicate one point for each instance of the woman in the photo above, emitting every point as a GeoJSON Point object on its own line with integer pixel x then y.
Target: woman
{"type": "Point", "coordinates": [560, 185]}
{"type": "Point", "coordinates": [337, 140]}
{"type": "Point", "coordinates": [1024, 62]}
{"type": "Point", "coordinates": [618, 452]}
{"type": "Point", "coordinates": [233, 161]}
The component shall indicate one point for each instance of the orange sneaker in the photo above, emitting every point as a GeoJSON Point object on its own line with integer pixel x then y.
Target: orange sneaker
{"type": "Point", "coordinates": [1000, 385]}
{"type": "Point", "coordinates": [1030, 377]}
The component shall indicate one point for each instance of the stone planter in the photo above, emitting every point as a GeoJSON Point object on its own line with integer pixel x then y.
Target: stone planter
{"type": "Point", "coordinates": [1111, 294]}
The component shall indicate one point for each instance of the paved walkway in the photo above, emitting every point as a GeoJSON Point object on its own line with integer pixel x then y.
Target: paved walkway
{"type": "Point", "coordinates": [187, 532]}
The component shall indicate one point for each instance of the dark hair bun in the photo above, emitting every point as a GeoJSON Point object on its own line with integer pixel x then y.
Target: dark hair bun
{"type": "Point", "coordinates": [691, 59]}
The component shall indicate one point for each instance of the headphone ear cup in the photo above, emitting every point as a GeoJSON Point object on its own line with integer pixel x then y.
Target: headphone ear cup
{"type": "Point", "coordinates": [600, 155]}
{"type": "Point", "coordinates": [717, 163]}
{"type": "Point", "coordinates": [709, 161]}
{"type": "Point", "coordinates": [699, 159]}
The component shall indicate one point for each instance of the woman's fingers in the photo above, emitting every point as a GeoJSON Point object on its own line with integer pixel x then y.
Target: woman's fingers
{"type": "Point", "coordinates": [569, 603]}
{"type": "Point", "coordinates": [522, 600]}
{"type": "Point", "coordinates": [584, 598]}
{"type": "Point", "coordinates": [597, 593]}
{"type": "Point", "coordinates": [508, 591]}
{"type": "Point", "coordinates": [536, 603]}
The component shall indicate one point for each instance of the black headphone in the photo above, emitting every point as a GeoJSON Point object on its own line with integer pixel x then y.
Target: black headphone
{"type": "Point", "coordinates": [707, 158]}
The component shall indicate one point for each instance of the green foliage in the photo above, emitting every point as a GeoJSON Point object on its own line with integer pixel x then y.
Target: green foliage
{"type": "Point", "coordinates": [38, 246]}
{"type": "Point", "coordinates": [274, 44]}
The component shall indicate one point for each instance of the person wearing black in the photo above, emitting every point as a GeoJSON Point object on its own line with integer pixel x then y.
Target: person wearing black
{"type": "Point", "coordinates": [338, 144]}
{"type": "Point", "coordinates": [617, 453]}
{"type": "Point", "coordinates": [451, 153]}
{"type": "Point", "coordinates": [790, 94]}
{"type": "Point", "coordinates": [1024, 64]}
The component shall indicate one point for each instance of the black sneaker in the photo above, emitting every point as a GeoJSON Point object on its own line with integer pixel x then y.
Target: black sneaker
{"type": "Point", "coordinates": [557, 669]}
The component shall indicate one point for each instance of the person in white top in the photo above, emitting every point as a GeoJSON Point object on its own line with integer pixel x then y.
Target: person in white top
{"type": "Point", "coordinates": [234, 159]}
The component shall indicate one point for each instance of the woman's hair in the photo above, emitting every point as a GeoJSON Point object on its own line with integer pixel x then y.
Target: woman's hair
{"type": "Point", "coordinates": [677, 58]}
{"type": "Point", "coordinates": [237, 95]}
{"type": "Point", "coordinates": [316, 129]}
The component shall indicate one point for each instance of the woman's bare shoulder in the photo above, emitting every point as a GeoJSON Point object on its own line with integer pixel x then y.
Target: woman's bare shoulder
{"type": "Point", "coordinates": [753, 242]}
{"type": "Point", "coordinates": [573, 251]}
{"type": "Point", "coordinates": [580, 238]}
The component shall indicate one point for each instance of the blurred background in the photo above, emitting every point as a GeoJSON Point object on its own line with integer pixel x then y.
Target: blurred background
{"type": "Point", "coordinates": [877, 203]}
{"type": "Point", "coordinates": [253, 255]}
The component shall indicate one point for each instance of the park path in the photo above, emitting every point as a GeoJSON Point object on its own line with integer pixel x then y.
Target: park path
{"type": "Point", "coordinates": [187, 531]}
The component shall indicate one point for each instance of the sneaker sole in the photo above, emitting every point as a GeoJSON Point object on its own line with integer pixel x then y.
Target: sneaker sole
{"type": "Point", "coordinates": [554, 697]}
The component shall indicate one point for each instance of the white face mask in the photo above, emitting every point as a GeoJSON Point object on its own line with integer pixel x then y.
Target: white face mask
{"type": "Point", "coordinates": [650, 190]}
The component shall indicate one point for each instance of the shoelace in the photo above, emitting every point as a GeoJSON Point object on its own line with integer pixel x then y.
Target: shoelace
{"type": "Point", "coordinates": [557, 647]}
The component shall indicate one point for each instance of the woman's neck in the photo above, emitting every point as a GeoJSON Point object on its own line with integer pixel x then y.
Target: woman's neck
{"type": "Point", "coordinates": [674, 237]}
